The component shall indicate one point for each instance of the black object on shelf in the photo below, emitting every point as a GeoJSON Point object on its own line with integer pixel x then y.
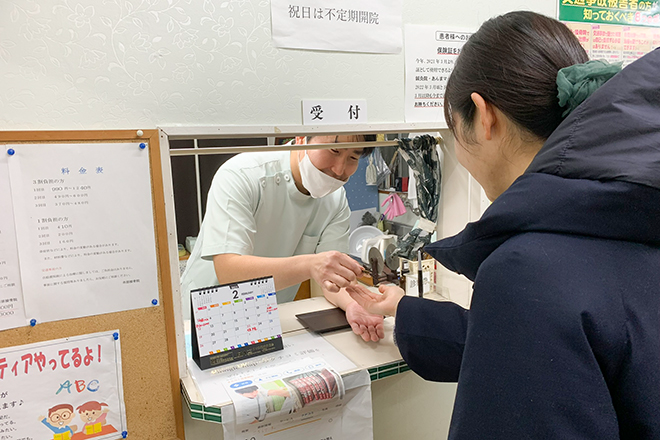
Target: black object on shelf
{"type": "Point", "coordinates": [324, 320]}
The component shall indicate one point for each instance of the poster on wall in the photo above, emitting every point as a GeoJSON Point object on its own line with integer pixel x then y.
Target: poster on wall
{"type": "Point", "coordinates": [613, 30]}
{"type": "Point", "coordinates": [614, 12]}
{"type": "Point", "coordinates": [65, 389]}
{"type": "Point", "coordinates": [12, 313]}
{"type": "Point", "coordinates": [431, 53]}
{"type": "Point", "coordinates": [615, 43]}
{"type": "Point", "coordinates": [84, 228]}
{"type": "Point", "coordinates": [372, 26]}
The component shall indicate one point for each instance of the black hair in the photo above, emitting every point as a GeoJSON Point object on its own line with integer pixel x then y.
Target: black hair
{"type": "Point", "coordinates": [512, 62]}
{"type": "Point", "coordinates": [366, 138]}
{"type": "Point", "coordinates": [367, 150]}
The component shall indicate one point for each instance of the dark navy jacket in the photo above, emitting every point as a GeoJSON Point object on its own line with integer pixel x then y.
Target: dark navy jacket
{"type": "Point", "coordinates": [562, 339]}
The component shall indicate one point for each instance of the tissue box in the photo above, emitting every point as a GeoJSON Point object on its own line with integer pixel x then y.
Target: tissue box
{"type": "Point", "coordinates": [190, 243]}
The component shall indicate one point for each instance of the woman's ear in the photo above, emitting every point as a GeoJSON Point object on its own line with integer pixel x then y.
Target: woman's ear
{"type": "Point", "coordinates": [485, 115]}
{"type": "Point", "coordinates": [301, 140]}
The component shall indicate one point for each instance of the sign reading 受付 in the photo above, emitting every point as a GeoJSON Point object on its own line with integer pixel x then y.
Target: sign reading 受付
{"type": "Point", "coordinates": [330, 111]}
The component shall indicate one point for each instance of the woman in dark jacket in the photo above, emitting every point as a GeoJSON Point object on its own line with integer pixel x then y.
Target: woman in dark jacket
{"type": "Point", "coordinates": [562, 338]}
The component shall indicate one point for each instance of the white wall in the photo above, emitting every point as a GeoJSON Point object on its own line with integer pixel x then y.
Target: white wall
{"type": "Point", "coordinates": [83, 64]}
{"type": "Point", "coordinates": [460, 203]}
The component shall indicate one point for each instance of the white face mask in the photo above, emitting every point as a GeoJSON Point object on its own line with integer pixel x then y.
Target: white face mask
{"type": "Point", "coordinates": [316, 181]}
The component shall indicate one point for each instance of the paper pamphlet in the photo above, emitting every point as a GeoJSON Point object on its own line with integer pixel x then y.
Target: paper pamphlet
{"type": "Point", "coordinates": [305, 399]}
{"type": "Point", "coordinates": [284, 393]}
{"type": "Point", "coordinates": [210, 382]}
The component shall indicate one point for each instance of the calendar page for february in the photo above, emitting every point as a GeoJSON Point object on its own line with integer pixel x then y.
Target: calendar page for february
{"type": "Point", "coordinates": [235, 321]}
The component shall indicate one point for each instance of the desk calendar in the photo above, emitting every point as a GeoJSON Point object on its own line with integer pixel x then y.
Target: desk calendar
{"type": "Point", "coordinates": [233, 322]}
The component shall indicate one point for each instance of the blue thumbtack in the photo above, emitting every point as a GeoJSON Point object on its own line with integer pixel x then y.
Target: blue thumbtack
{"type": "Point", "coordinates": [143, 145]}
{"type": "Point", "coordinates": [33, 322]}
{"type": "Point", "coordinates": [154, 302]}
{"type": "Point", "coordinates": [11, 152]}
{"type": "Point", "coordinates": [115, 335]}
{"type": "Point", "coordinates": [124, 434]}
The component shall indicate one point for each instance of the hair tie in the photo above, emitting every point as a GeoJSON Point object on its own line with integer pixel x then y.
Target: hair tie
{"type": "Point", "coordinates": [577, 82]}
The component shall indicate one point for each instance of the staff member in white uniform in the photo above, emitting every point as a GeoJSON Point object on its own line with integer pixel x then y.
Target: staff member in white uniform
{"type": "Point", "coordinates": [283, 214]}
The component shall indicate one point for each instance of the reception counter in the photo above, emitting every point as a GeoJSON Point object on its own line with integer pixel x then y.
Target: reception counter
{"type": "Point", "coordinates": [403, 403]}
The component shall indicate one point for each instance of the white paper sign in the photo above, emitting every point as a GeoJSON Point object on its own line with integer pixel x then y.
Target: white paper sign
{"type": "Point", "coordinates": [334, 111]}
{"type": "Point", "coordinates": [431, 53]}
{"type": "Point", "coordinates": [411, 284]}
{"type": "Point", "coordinates": [344, 25]}
{"type": "Point", "coordinates": [12, 313]}
{"type": "Point", "coordinates": [84, 226]}
{"type": "Point", "coordinates": [66, 389]}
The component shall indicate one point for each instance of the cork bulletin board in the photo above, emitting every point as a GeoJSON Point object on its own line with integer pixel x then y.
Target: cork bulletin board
{"type": "Point", "coordinates": [150, 371]}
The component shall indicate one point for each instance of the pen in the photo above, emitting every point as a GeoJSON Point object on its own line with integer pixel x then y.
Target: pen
{"type": "Point", "coordinates": [420, 279]}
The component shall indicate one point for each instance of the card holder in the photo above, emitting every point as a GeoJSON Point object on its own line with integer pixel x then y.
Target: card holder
{"type": "Point", "coordinates": [324, 320]}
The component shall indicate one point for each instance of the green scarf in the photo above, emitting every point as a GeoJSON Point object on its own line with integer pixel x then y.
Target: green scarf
{"type": "Point", "coordinates": [577, 82]}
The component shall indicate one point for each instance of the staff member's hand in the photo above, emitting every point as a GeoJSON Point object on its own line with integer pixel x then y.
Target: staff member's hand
{"type": "Point", "coordinates": [383, 303]}
{"type": "Point", "coordinates": [364, 324]}
{"type": "Point", "coordinates": [334, 270]}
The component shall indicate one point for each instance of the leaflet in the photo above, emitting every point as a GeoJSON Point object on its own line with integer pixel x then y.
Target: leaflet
{"type": "Point", "coordinates": [305, 399]}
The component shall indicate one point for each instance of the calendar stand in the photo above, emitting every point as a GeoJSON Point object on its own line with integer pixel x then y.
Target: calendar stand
{"type": "Point", "coordinates": [233, 322]}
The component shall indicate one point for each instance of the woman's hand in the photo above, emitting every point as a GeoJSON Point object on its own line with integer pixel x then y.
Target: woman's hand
{"type": "Point", "coordinates": [364, 324]}
{"type": "Point", "coordinates": [383, 303]}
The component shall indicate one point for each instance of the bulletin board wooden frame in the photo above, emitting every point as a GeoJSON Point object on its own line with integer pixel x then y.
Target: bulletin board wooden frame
{"type": "Point", "coordinates": [148, 339]}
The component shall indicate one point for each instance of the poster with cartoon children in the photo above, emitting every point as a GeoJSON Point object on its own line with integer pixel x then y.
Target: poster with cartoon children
{"type": "Point", "coordinates": [67, 389]}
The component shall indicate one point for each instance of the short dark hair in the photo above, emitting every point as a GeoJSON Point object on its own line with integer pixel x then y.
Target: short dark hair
{"type": "Point", "coordinates": [367, 150]}
{"type": "Point", "coordinates": [512, 62]}
{"type": "Point", "coordinates": [366, 138]}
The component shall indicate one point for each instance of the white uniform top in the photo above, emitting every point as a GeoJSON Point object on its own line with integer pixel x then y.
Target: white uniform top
{"type": "Point", "coordinates": [254, 208]}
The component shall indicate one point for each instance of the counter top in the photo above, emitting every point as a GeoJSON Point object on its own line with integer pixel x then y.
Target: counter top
{"type": "Point", "coordinates": [381, 358]}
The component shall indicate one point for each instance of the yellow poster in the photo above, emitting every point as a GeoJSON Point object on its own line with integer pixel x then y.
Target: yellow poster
{"type": "Point", "coordinates": [655, 38]}
{"type": "Point", "coordinates": [636, 42]}
{"type": "Point", "coordinates": [615, 42]}
{"type": "Point", "coordinates": [583, 33]}
{"type": "Point", "coordinates": [607, 42]}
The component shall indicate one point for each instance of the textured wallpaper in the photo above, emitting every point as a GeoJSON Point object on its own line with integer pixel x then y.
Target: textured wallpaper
{"type": "Point", "coordinates": [82, 64]}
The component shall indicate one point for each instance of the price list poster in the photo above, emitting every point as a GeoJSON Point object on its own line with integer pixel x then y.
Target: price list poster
{"type": "Point", "coordinates": [11, 299]}
{"type": "Point", "coordinates": [84, 228]}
